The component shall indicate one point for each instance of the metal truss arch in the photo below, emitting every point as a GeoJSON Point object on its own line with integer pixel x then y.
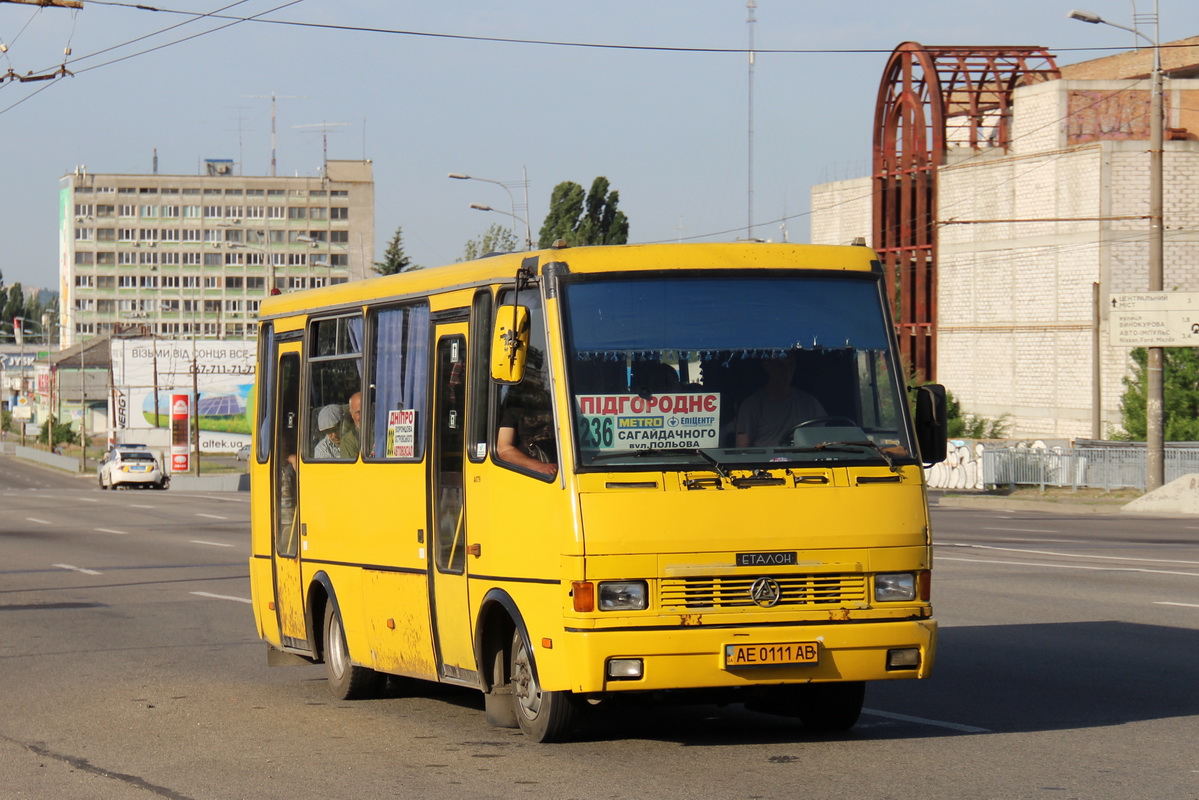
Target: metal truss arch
{"type": "Point", "coordinates": [931, 101]}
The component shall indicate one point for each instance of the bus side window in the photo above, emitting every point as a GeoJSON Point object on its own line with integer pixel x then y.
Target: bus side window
{"type": "Point", "coordinates": [525, 435]}
{"type": "Point", "coordinates": [399, 383]}
{"type": "Point", "coordinates": [335, 389]}
{"type": "Point", "coordinates": [478, 415]}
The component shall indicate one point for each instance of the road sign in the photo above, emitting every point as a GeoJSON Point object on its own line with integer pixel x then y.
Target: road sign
{"type": "Point", "coordinates": [1155, 319]}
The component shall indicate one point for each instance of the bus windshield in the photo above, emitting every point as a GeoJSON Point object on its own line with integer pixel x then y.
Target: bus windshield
{"type": "Point", "coordinates": [737, 372]}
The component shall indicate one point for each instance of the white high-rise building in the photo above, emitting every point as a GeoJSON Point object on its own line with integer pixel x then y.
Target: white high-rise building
{"type": "Point", "coordinates": [183, 256]}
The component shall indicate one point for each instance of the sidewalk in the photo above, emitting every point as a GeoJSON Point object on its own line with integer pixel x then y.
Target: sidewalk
{"type": "Point", "coordinates": [1051, 500]}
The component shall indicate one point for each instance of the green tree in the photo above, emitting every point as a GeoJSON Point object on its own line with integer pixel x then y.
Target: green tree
{"type": "Point", "coordinates": [394, 258]}
{"type": "Point", "coordinates": [1180, 387]}
{"type": "Point", "coordinates": [582, 219]}
{"type": "Point", "coordinates": [63, 432]}
{"type": "Point", "coordinates": [496, 239]}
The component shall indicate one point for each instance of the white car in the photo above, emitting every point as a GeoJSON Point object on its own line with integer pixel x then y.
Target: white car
{"type": "Point", "coordinates": [133, 466]}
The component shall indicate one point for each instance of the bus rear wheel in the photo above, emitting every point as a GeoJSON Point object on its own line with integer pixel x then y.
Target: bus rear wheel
{"type": "Point", "coordinates": [347, 681]}
{"type": "Point", "coordinates": [542, 716]}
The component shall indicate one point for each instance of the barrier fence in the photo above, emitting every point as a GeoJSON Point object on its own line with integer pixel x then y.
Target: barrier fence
{"type": "Point", "coordinates": [1078, 467]}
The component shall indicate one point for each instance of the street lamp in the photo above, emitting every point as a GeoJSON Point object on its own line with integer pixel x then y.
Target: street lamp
{"type": "Point", "coordinates": [1155, 465]}
{"type": "Point", "coordinates": [268, 258]}
{"type": "Point", "coordinates": [482, 207]}
{"type": "Point", "coordinates": [458, 176]}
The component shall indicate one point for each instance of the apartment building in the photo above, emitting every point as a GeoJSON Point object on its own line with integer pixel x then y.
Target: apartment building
{"type": "Point", "coordinates": [192, 256]}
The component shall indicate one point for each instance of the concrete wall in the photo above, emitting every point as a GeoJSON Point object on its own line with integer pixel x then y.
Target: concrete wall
{"type": "Point", "coordinates": [1022, 237]}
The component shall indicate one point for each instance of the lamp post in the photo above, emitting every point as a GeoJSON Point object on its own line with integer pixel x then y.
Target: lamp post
{"type": "Point", "coordinates": [482, 207]}
{"type": "Point", "coordinates": [458, 176]}
{"type": "Point", "coordinates": [1155, 465]}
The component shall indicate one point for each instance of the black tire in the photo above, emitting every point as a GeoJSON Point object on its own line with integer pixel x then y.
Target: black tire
{"type": "Point", "coordinates": [100, 480]}
{"type": "Point", "coordinates": [347, 681]}
{"type": "Point", "coordinates": [542, 716]}
{"type": "Point", "coordinates": [498, 705]}
{"type": "Point", "coordinates": [825, 707]}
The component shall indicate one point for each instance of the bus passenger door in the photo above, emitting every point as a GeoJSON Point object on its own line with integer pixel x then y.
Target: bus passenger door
{"type": "Point", "coordinates": [285, 478]}
{"type": "Point", "coordinates": [451, 610]}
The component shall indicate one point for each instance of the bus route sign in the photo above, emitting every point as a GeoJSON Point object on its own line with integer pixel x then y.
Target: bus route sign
{"type": "Point", "coordinates": [629, 422]}
{"type": "Point", "coordinates": [1154, 319]}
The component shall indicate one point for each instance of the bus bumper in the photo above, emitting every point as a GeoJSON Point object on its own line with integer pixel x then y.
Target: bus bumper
{"type": "Point", "coordinates": [695, 657]}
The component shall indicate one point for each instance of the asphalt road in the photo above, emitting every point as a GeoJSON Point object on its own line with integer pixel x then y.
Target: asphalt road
{"type": "Point", "coordinates": [130, 668]}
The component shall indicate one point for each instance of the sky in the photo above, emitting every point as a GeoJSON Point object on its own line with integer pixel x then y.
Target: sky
{"type": "Point", "coordinates": [424, 89]}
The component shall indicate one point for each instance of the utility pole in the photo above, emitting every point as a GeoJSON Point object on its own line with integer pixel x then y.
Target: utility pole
{"type": "Point", "coordinates": [749, 228]}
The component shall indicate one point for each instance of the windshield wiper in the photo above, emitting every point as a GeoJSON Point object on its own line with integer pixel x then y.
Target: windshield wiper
{"type": "Point", "coordinates": [659, 451]}
{"type": "Point", "coordinates": [845, 447]}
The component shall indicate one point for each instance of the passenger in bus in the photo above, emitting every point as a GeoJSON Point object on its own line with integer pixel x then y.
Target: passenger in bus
{"type": "Point", "coordinates": [525, 436]}
{"type": "Point", "coordinates": [768, 416]}
{"type": "Point", "coordinates": [350, 423]}
{"type": "Point", "coordinates": [328, 424]}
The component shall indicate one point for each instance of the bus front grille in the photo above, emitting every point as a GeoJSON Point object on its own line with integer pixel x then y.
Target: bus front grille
{"type": "Point", "coordinates": [735, 592]}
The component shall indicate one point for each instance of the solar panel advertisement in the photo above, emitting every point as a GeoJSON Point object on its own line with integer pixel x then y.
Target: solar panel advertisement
{"type": "Point", "coordinates": [146, 372]}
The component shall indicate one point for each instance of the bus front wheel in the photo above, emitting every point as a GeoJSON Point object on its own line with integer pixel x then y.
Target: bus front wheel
{"type": "Point", "coordinates": [542, 716]}
{"type": "Point", "coordinates": [347, 681]}
{"type": "Point", "coordinates": [826, 707]}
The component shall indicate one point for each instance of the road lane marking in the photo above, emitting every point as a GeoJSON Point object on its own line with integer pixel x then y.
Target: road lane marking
{"type": "Point", "coordinates": [135, 505]}
{"type": "Point", "coordinates": [77, 569]}
{"type": "Point", "coordinates": [38, 521]}
{"type": "Point", "coordinates": [211, 516]}
{"type": "Point", "coordinates": [210, 544]}
{"type": "Point", "coordinates": [110, 530]}
{"type": "Point", "coordinates": [1022, 530]}
{"type": "Point", "coordinates": [88, 499]}
{"type": "Point", "coordinates": [1184, 605]}
{"type": "Point", "coordinates": [953, 726]}
{"type": "Point", "coordinates": [1070, 566]}
{"type": "Point", "coordinates": [222, 597]}
{"type": "Point", "coordinates": [1068, 555]}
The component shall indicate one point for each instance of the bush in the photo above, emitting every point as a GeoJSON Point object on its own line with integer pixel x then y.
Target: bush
{"type": "Point", "coordinates": [63, 433]}
{"type": "Point", "coordinates": [973, 426]}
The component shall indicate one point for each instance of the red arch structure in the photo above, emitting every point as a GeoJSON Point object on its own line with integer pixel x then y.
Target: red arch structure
{"type": "Point", "coordinates": [932, 100]}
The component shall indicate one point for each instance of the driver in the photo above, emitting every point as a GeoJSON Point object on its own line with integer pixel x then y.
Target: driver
{"type": "Point", "coordinates": [768, 416]}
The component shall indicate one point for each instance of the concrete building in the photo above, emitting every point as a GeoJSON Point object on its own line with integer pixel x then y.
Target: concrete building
{"type": "Point", "coordinates": [177, 256]}
{"type": "Point", "coordinates": [1034, 237]}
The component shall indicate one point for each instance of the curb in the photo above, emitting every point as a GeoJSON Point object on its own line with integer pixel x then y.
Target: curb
{"type": "Point", "coordinates": [1015, 504]}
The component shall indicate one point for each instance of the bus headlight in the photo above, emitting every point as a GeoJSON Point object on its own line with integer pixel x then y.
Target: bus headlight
{"type": "Point", "coordinates": [890, 587]}
{"type": "Point", "coordinates": [623, 595]}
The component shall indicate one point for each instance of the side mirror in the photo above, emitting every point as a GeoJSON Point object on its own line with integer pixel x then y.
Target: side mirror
{"type": "Point", "coordinates": [510, 344]}
{"type": "Point", "coordinates": [932, 427]}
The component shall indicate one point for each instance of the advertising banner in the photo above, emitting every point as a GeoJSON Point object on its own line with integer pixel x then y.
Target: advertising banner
{"type": "Point", "coordinates": [147, 372]}
{"type": "Point", "coordinates": [180, 430]}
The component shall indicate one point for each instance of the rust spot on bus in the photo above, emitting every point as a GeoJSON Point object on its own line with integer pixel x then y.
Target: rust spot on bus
{"type": "Point", "coordinates": [688, 620]}
{"type": "Point", "coordinates": [839, 615]}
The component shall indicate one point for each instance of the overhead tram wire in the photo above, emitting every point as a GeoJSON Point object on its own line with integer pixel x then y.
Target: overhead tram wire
{"type": "Point", "coordinates": [135, 40]}
{"type": "Point", "coordinates": [539, 42]}
{"type": "Point", "coordinates": [196, 16]}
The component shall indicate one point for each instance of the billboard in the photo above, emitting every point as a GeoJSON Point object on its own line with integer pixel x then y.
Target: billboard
{"type": "Point", "coordinates": [147, 372]}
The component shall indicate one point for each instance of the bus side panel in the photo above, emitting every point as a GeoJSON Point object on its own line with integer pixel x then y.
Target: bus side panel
{"type": "Point", "coordinates": [262, 582]}
{"type": "Point", "coordinates": [397, 620]}
{"type": "Point", "coordinates": [364, 527]}
{"type": "Point", "coordinates": [523, 527]}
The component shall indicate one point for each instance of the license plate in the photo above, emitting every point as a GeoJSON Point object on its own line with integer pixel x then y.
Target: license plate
{"type": "Point", "coordinates": [737, 656]}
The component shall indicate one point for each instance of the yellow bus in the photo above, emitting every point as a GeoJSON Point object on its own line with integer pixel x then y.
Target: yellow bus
{"type": "Point", "coordinates": [564, 476]}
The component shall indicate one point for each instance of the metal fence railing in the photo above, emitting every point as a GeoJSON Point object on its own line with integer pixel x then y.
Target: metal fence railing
{"type": "Point", "coordinates": [1091, 467]}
